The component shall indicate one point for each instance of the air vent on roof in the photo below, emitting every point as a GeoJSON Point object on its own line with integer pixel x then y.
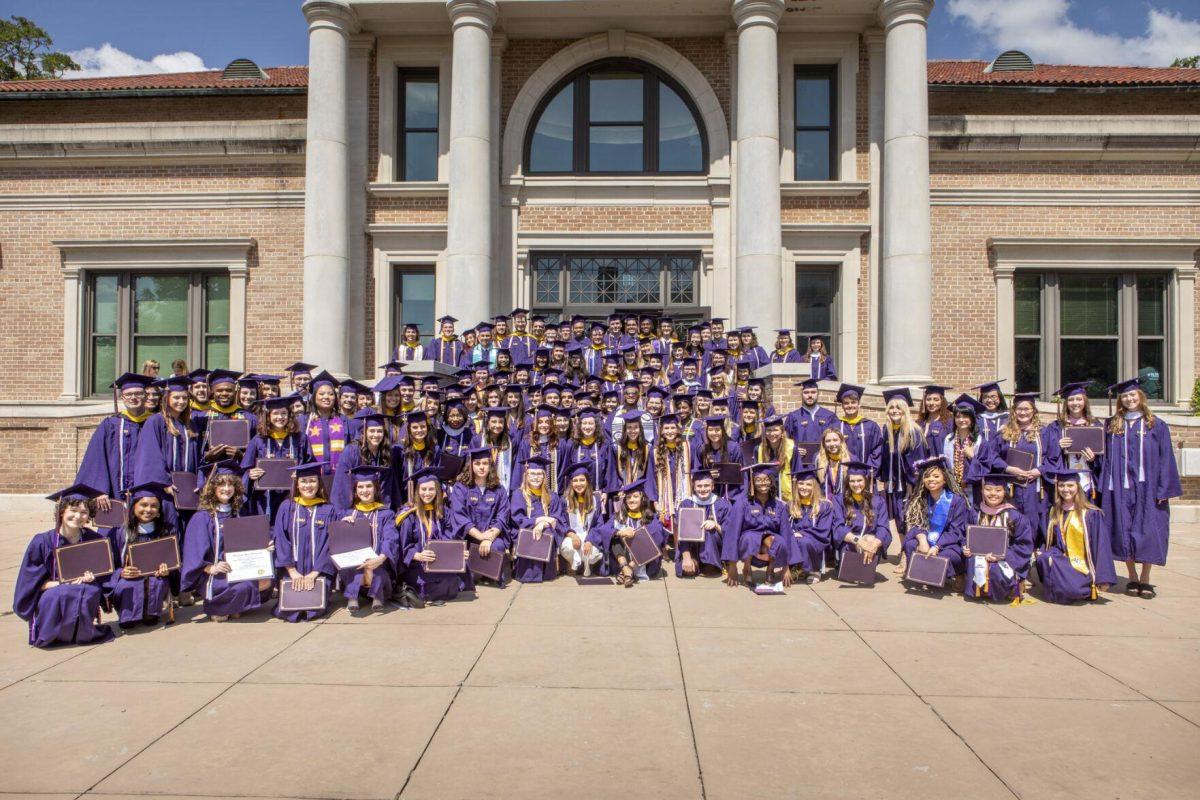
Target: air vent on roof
{"type": "Point", "coordinates": [243, 69]}
{"type": "Point", "coordinates": [1011, 61]}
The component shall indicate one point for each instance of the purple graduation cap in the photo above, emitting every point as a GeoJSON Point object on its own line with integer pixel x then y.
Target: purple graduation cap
{"type": "Point", "coordinates": [1072, 389]}
{"type": "Point", "coordinates": [283, 401]}
{"type": "Point", "coordinates": [849, 388]}
{"type": "Point", "coordinates": [933, 461]}
{"type": "Point", "coordinates": [997, 479]}
{"type": "Point", "coordinates": [228, 466]}
{"type": "Point", "coordinates": [772, 421]}
{"type": "Point", "coordinates": [1060, 474]}
{"type": "Point", "coordinates": [536, 462]}
{"type": "Point", "coordinates": [299, 368]}
{"type": "Point", "coordinates": [901, 393]}
{"type": "Point", "coordinates": [496, 411]}
{"type": "Point", "coordinates": [583, 467]}
{"type": "Point", "coordinates": [1120, 388]}
{"type": "Point", "coordinates": [804, 472]}
{"type": "Point", "coordinates": [667, 419]}
{"type": "Point", "coordinates": [176, 383]}
{"type": "Point", "coordinates": [635, 485]}
{"type": "Point", "coordinates": [1023, 396]}
{"type": "Point", "coordinates": [859, 468]}
{"type": "Point", "coordinates": [632, 416]}
{"type": "Point", "coordinates": [933, 388]}
{"type": "Point", "coordinates": [131, 379]}
{"type": "Point", "coordinates": [447, 319]}
{"type": "Point", "coordinates": [353, 387]}
{"type": "Point", "coordinates": [323, 378]}
{"type": "Point", "coordinates": [416, 416]}
{"type": "Point", "coordinates": [198, 376]}
{"type": "Point", "coordinates": [479, 453]}
{"type": "Point", "coordinates": [366, 472]}
{"type": "Point", "coordinates": [79, 491]}
{"type": "Point", "coordinates": [991, 386]}
{"type": "Point", "coordinates": [154, 489]}
{"type": "Point", "coordinates": [427, 475]}
{"type": "Point", "coordinates": [966, 404]}
{"type": "Point", "coordinates": [220, 376]}
{"type": "Point", "coordinates": [762, 468]}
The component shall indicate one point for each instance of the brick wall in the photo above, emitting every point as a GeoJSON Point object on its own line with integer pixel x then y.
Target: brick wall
{"type": "Point", "coordinates": [1064, 174]}
{"type": "Point", "coordinates": [1063, 102]}
{"type": "Point", "coordinates": [826, 209]}
{"type": "Point", "coordinates": [395, 210]}
{"type": "Point", "coordinates": [50, 451]}
{"type": "Point", "coordinates": [156, 109]}
{"type": "Point", "coordinates": [620, 218]}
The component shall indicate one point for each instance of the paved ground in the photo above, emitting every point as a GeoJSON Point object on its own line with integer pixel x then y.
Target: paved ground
{"type": "Point", "coordinates": [670, 689]}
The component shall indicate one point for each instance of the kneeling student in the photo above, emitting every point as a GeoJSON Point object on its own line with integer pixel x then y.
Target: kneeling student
{"type": "Point", "coordinates": [1000, 579]}
{"type": "Point", "coordinates": [1077, 561]}
{"type": "Point", "coordinates": [138, 597]}
{"type": "Point", "coordinates": [301, 537]}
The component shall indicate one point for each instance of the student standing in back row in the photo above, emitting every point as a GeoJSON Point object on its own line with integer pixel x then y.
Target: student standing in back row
{"type": "Point", "coordinates": [107, 464]}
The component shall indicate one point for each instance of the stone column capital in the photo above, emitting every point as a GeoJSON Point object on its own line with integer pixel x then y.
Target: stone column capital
{"type": "Point", "coordinates": [757, 12]}
{"type": "Point", "coordinates": [479, 13]}
{"type": "Point", "coordinates": [331, 14]}
{"type": "Point", "coordinates": [895, 12]}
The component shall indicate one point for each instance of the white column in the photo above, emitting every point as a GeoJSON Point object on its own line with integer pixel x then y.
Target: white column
{"type": "Point", "coordinates": [759, 267]}
{"type": "Point", "coordinates": [906, 267]}
{"type": "Point", "coordinates": [472, 166]}
{"type": "Point", "coordinates": [326, 188]}
{"type": "Point", "coordinates": [358, 82]}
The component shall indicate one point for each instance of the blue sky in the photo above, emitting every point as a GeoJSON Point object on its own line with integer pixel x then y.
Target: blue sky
{"type": "Point", "coordinates": [174, 35]}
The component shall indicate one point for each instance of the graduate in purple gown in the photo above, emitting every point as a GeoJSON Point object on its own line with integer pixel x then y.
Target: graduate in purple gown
{"type": "Point", "coordinates": [862, 529]}
{"type": "Point", "coordinates": [410, 347]}
{"type": "Point", "coordinates": [935, 417]}
{"type": "Point", "coordinates": [62, 612]}
{"type": "Point", "coordinates": [1024, 431]}
{"type": "Point", "coordinates": [497, 438]}
{"type": "Point", "coordinates": [937, 516]}
{"type": "Point", "coordinates": [714, 447]}
{"type": "Point", "coordinates": [534, 506]}
{"type": "Point", "coordinates": [374, 448]}
{"type": "Point", "coordinates": [325, 430]}
{"type": "Point", "coordinates": [633, 511]}
{"type": "Point", "coordinates": [964, 446]}
{"type": "Point", "coordinates": [223, 384]}
{"type": "Point", "coordinates": [758, 529]}
{"type": "Point", "coordinates": [1076, 562]}
{"type": "Point", "coordinates": [376, 576]}
{"type": "Point", "coordinates": [994, 413]}
{"type": "Point", "coordinates": [864, 437]}
{"type": "Point", "coordinates": [821, 365]}
{"type": "Point", "coordinates": [589, 443]}
{"type": "Point", "coordinates": [669, 470]}
{"type": "Point", "coordinates": [139, 597]}
{"type": "Point", "coordinates": [455, 432]}
{"type": "Point", "coordinates": [785, 351]}
{"type": "Point", "coordinates": [1075, 411]}
{"type": "Point", "coordinates": [417, 452]}
{"type": "Point", "coordinates": [428, 519]}
{"type": "Point", "coordinates": [1138, 479]}
{"type": "Point", "coordinates": [543, 441]}
{"type": "Point", "coordinates": [812, 519]}
{"type": "Point", "coordinates": [204, 565]}
{"type": "Point", "coordinates": [809, 421]}
{"type": "Point", "coordinates": [277, 436]}
{"type": "Point", "coordinates": [301, 537]}
{"type": "Point", "coordinates": [583, 513]}
{"type": "Point", "coordinates": [903, 447]}
{"type": "Point", "coordinates": [832, 461]}
{"type": "Point", "coordinates": [1001, 579]}
{"type": "Point", "coordinates": [479, 507]}
{"type": "Point", "coordinates": [703, 558]}
{"type": "Point", "coordinates": [107, 464]}
{"type": "Point", "coordinates": [168, 443]}
{"type": "Point", "coordinates": [446, 347]}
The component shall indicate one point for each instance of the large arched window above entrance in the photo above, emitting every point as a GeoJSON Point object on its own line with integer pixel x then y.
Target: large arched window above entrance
{"type": "Point", "coordinates": [616, 117]}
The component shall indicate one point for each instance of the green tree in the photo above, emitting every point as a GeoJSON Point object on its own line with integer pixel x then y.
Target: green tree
{"type": "Point", "coordinates": [25, 53]}
{"type": "Point", "coordinates": [1190, 61]}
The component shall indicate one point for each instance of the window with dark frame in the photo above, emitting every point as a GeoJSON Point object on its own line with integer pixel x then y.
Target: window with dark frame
{"type": "Point", "coordinates": [815, 136]}
{"type": "Point", "coordinates": [415, 295]}
{"type": "Point", "coordinates": [417, 125]}
{"type": "Point", "coordinates": [616, 117]}
{"type": "Point", "coordinates": [816, 306]}
{"type": "Point", "coordinates": [132, 317]}
{"type": "Point", "coordinates": [595, 284]}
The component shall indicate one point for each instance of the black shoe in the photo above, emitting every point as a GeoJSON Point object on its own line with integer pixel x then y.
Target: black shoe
{"type": "Point", "coordinates": [410, 598]}
{"type": "Point", "coordinates": [151, 621]}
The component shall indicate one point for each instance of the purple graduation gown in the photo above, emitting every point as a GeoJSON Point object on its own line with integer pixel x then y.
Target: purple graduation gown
{"type": "Point", "coordinates": [1061, 582]}
{"type": "Point", "coordinates": [811, 538]}
{"type": "Point", "coordinates": [107, 464]}
{"type": "Point", "coordinates": [301, 536]}
{"type": "Point", "coordinates": [341, 495]}
{"type": "Point", "coordinates": [65, 614]}
{"type": "Point", "coordinates": [159, 453]}
{"type": "Point", "coordinates": [1138, 472]}
{"type": "Point", "coordinates": [852, 519]}
{"type": "Point", "coordinates": [447, 352]}
{"type": "Point", "coordinates": [385, 539]}
{"type": "Point", "coordinates": [135, 600]}
{"type": "Point", "coordinates": [1032, 498]}
{"type": "Point", "coordinates": [524, 515]}
{"type": "Point", "coordinates": [202, 547]}
{"type": "Point", "coordinates": [472, 507]}
{"type": "Point", "coordinates": [822, 369]}
{"type": "Point", "coordinates": [952, 538]}
{"type": "Point", "coordinates": [601, 536]}
{"type": "Point", "coordinates": [898, 472]}
{"type": "Point", "coordinates": [998, 583]}
{"type": "Point", "coordinates": [429, 585]}
{"type": "Point", "coordinates": [749, 522]}
{"type": "Point", "coordinates": [708, 552]}
{"type": "Point", "coordinates": [864, 440]}
{"type": "Point", "coordinates": [265, 501]}
{"type": "Point", "coordinates": [805, 426]}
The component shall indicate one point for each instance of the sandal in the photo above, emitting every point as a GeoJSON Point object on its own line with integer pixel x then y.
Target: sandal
{"type": "Point", "coordinates": [1146, 591]}
{"type": "Point", "coordinates": [626, 577]}
{"type": "Point", "coordinates": [1133, 589]}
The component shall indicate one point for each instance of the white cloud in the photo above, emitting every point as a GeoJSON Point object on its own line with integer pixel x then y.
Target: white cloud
{"type": "Point", "coordinates": [106, 60]}
{"type": "Point", "coordinates": [1044, 30]}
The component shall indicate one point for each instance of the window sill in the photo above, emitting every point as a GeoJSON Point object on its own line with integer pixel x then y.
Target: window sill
{"type": "Point", "coordinates": [823, 188]}
{"type": "Point", "coordinates": [409, 189]}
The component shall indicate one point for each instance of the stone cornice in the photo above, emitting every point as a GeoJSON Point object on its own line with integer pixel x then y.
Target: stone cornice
{"type": "Point", "coordinates": [287, 198]}
{"type": "Point", "coordinates": [1021, 196]}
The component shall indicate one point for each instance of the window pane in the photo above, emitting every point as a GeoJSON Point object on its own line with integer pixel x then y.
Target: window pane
{"type": "Point", "coordinates": [160, 306]}
{"type": "Point", "coordinates": [679, 147]}
{"type": "Point", "coordinates": [812, 100]}
{"type": "Point", "coordinates": [551, 149]}
{"type": "Point", "coordinates": [216, 303]}
{"type": "Point", "coordinates": [615, 97]}
{"type": "Point", "coordinates": [216, 352]}
{"type": "Point", "coordinates": [416, 300]}
{"type": "Point", "coordinates": [1151, 289]}
{"type": "Point", "coordinates": [421, 103]}
{"type": "Point", "coordinates": [615, 149]}
{"type": "Point", "coordinates": [420, 156]}
{"type": "Point", "coordinates": [1029, 365]}
{"type": "Point", "coordinates": [1027, 290]}
{"type": "Point", "coordinates": [814, 300]}
{"type": "Point", "coordinates": [683, 281]}
{"type": "Point", "coordinates": [615, 280]}
{"type": "Point", "coordinates": [163, 349]}
{"type": "Point", "coordinates": [547, 272]}
{"type": "Point", "coordinates": [1150, 367]}
{"type": "Point", "coordinates": [812, 156]}
{"type": "Point", "coordinates": [1088, 307]}
{"type": "Point", "coordinates": [104, 306]}
{"type": "Point", "coordinates": [104, 363]}
{"type": "Point", "coordinates": [1096, 359]}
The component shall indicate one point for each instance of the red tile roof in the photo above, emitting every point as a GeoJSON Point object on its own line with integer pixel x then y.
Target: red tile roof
{"type": "Point", "coordinates": [277, 77]}
{"type": "Point", "coordinates": [971, 73]}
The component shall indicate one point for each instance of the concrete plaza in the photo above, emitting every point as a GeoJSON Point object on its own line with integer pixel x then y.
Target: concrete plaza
{"type": "Point", "coordinates": [671, 689]}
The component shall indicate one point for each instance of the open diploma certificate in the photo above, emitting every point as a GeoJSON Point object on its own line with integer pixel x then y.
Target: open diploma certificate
{"type": "Point", "coordinates": [353, 559]}
{"type": "Point", "coordinates": [249, 565]}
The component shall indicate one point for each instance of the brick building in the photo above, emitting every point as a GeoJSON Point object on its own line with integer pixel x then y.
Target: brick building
{"type": "Point", "coordinates": [784, 164]}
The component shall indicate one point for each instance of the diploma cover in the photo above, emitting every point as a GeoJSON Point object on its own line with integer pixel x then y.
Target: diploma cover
{"type": "Point", "coordinates": [451, 555]}
{"type": "Point", "coordinates": [984, 540]}
{"type": "Point", "coordinates": [535, 549]}
{"type": "Point", "coordinates": [73, 560]}
{"type": "Point", "coordinates": [642, 549]}
{"type": "Point", "coordinates": [146, 556]}
{"type": "Point", "coordinates": [689, 524]}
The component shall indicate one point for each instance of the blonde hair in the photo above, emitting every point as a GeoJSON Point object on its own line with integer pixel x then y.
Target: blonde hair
{"type": "Point", "coordinates": [910, 434]}
{"type": "Point", "coordinates": [1011, 432]}
{"type": "Point", "coordinates": [573, 502]}
{"type": "Point", "coordinates": [823, 457]}
{"type": "Point", "coordinates": [1117, 423]}
{"type": "Point", "coordinates": [1064, 415]}
{"type": "Point", "coordinates": [796, 508]}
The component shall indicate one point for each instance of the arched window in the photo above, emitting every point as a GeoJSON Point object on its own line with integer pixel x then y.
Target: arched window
{"type": "Point", "coordinates": [616, 116]}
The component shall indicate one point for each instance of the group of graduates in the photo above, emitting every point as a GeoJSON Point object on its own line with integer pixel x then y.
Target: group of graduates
{"type": "Point", "coordinates": [593, 435]}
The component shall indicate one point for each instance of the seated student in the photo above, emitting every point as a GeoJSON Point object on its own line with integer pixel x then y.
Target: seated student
{"type": "Point", "coordinates": [693, 558]}
{"type": "Point", "coordinates": [757, 529]}
{"type": "Point", "coordinates": [1076, 562]}
{"type": "Point", "coordinates": [634, 510]}
{"type": "Point", "coordinates": [278, 436]}
{"type": "Point", "coordinates": [479, 506]}
{"type": "Point", "coordinates": [376, 576]}
{"type": "Point", "coordinates": [862, 530]}
{"type": "Point", "coordinates": [813, 520]}
{"type": "Point", "coordinates": [139, 597]}
{"type": "Point", "coordinates": [374, 448]}
{"type": "Point", "coordinates": [989, 576]}
{"type": "Point", "coordinates": [534, 506]}
{"type": "Point", "coordinates": [426, 520]}
{"type": "Point", "coordinates": [936, 515]}
{"type": "Point", "coordinates": [301, 537]}
{"type": "Point", "coordinates": [583, 514]}
{"type": "Point", "coordinates": [204, 565]}
{"type": "Point", "coordinates": [61, 612]}
{"type": "Point", "coordinates": [107, 464]}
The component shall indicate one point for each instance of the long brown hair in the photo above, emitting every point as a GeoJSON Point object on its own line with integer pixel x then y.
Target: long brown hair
{"type": "Point", "coordinates": [208, 495]}
{"type": "Point", "coordinates": [184, 417]}
{"type": "Point", "coordinates": [572, 499]}
{"type": "Point", "coordinates": [850, 509]}
{"type": "Point", "coordinates": [263, 428]}
{"type": "Point", "coordinates": [1117, 423]}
